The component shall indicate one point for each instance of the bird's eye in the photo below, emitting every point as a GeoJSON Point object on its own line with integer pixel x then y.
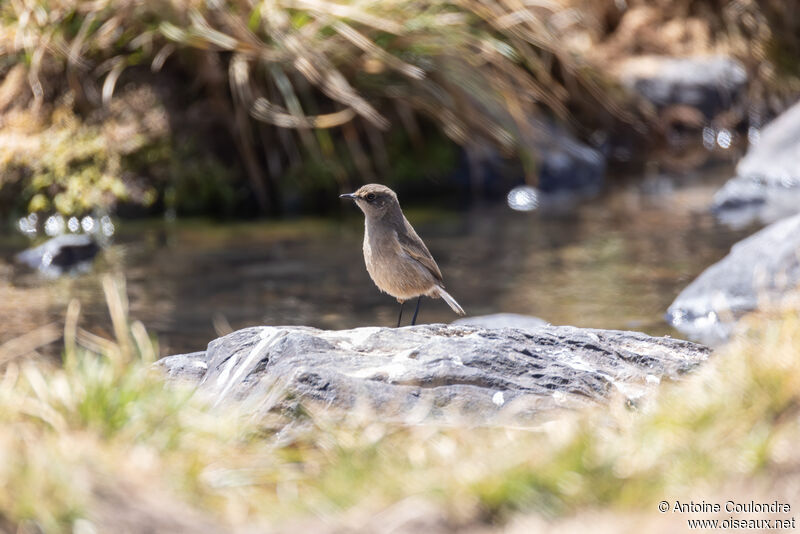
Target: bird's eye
{"type": "Point", "coordinates": [370, 197]}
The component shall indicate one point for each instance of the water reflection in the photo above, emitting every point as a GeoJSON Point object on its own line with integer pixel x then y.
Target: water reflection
{"type": "Point", "coordinates": [724, 138]}
{"type": "Point", "coordinates": [523, 198]}
{"type": "Point", "coordinates": [87, 223]}
{"type": "Point", "coordinates": [616, 262]}
{"type": "Point", "coordinates": [713, 138]}
{"type": "Point", "coordinates": [27, 225]}
{"type": "Point", "coordinates": [55, 225]}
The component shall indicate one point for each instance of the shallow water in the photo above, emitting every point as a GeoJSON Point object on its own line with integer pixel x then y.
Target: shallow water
{"type": "Point", "coordinates": [616, 261]}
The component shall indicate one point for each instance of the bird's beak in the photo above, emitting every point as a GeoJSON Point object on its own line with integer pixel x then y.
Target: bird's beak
{"type": "Point", "coordinates": [348, 195]}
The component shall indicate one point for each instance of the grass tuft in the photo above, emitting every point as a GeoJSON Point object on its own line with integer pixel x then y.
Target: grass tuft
{"type": "Point", "coordinates": [103, 432]}
{"type": "Point", "coordinates": [279, 73]}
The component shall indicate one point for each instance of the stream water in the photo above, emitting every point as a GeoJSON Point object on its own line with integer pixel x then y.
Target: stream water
{"type": "Point", "coordinates": [616, 261]}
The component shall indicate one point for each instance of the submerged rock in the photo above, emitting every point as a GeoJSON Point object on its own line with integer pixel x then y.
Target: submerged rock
{"type": "Point", "coordinates": [566, 165]}
{"type": "Point", "coordinates": [61, 254]}
{"type": "Point", "coordinates": [767, 183]}
{"type": "Point", "coordinates": [762, 271]}
{"type": "Point", "coordinates": [433, 370]}
{"type": "Point", "coordinates": [711, 84]}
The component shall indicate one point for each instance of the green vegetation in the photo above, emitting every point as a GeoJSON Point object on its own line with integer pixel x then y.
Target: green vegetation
{"type": "Point", "coordinates": [101, 438]}
{"type": "Point", "coordinates": [67, 165]}
{"type": "Point", "coordinates": [284, 87]}
{"type": "Point", "coordinates": [302, 96]}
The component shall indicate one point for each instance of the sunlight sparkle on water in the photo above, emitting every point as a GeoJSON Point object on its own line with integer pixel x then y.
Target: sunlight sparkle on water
{"type": "Point", "coordinates": [523, 198]}
{"type": "Point", "coordinates": [106, 226]}
{"type": "Point", "coordinates": [708, 138]}
{"type": "Point", "coordinates": [54, 225]}
{"type": "Point", "coordinates": [27, 225]}
{"type": "Point", "coordinates": [724, 138]}
{"type": "Point", "coordinates": [87, 223]}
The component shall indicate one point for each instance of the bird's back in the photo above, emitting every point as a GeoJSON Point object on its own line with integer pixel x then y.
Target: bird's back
{"type": "Point", "coordinates": [415, 247]}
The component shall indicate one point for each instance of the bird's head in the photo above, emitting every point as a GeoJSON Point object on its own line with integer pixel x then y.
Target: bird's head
{"type": "Point", "coordinates": [375, 200]}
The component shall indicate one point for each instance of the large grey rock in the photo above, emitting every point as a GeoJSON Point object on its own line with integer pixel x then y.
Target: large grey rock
{"type": "Point", "coordinates": [767, 183]}
{"type": "Point", "coordinates": [191, 366]}
{"type": "Point", "coordinates": [762, 271]}
{"type": "Point", "coordinates": [433, 370]}
{"type": "Point", "coordinates": [711, 84]}
{"type": "Point", "coordinates": [61, 254]}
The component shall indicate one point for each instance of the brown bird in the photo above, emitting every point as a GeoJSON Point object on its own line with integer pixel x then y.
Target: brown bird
{"type": "Point", "coordinates": [397, 260]}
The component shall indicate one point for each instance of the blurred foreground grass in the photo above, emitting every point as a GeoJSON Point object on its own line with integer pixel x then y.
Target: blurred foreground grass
{"type": "Point", "coordinates": [99, 442]}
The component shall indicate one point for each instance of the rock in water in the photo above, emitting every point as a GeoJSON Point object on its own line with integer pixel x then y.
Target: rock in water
{"type": "Point", "coordinates": [566, 165]}
{"type": "Point", "coordinates": [439, 371]}
{"type": "Point", "coordinates": [760, 271]}
{"type": "Point", "coordinates": [712, 84]}
{"type": "Point", "coordinates": [767, 183]}
{"type": "Point", "coordinates": [61, 254]}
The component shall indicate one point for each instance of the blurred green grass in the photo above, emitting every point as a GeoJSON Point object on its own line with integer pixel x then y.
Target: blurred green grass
{"type": "Point", "coordinates": [105, 419]}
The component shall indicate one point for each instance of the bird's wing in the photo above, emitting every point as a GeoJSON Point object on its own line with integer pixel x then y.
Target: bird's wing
{"type": "Point", "coordinates": [414, 247]}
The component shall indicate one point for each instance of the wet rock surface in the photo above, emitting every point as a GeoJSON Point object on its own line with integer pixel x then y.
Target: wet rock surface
{"type": "Point", "coordinates": [437, 371]}
{"type": "Point", "coordinates": [762, 271]}
{"type": "Point", "coordinates": [767, 183]}
{"type": "Point", "coordinates": [711, 84]}
{"type": "Point", "coordinates": [503, 320]}
{"type": "Point", "coordinates": [61, 254]}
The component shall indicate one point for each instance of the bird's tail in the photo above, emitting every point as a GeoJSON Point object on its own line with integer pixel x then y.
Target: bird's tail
{"type": "Point", "coordinates": [451, 301]}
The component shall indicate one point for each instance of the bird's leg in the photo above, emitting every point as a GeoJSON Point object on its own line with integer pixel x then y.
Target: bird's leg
{"type": "Point", "coordinates": [399, 317]}
{"type": "Point", "coordinates": [414, 319]}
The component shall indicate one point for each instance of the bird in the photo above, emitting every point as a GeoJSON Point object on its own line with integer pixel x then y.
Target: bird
{"type": "Point", "coordinates": [396, 258]}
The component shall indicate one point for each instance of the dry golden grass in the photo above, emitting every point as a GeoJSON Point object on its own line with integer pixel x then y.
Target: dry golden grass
{"type": "Point", "coordinates": [314, 84]}
{"type": "Point", "coordinates": [480, 70]}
